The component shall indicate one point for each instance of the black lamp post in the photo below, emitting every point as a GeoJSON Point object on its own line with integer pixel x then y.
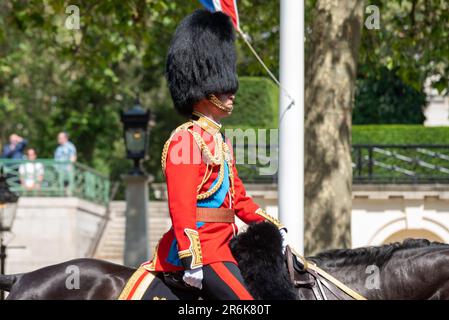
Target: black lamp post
{"type": "Point", "coordinates": [8, 209]}
{"type": "Point", "coordinates": [136, 134]}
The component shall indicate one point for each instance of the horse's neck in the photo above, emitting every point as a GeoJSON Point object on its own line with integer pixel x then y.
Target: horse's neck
{"type": "Point", "coordinates": [352, 275]}
{"type": "Point", "coordinates": [400, 277]}
{"type": "Point", "coordinates": [417, 273]}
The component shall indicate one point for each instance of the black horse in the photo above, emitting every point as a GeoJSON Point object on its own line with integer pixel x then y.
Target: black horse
{"type": "Point", "coordinates": [414, 269]}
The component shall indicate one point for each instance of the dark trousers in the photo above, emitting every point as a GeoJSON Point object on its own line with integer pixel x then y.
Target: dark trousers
{"type": "Point", "coordinates": [221, 281]}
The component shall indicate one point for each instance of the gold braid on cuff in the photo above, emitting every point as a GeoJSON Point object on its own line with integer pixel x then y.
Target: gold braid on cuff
{"type": "Point", "coordinates": [194, 249]}
{"type": "Point", "coordinates": [269, 218]}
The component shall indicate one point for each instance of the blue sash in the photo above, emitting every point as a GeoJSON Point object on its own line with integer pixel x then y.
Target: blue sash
{"type": "Point", "coordinates": [215, 201]}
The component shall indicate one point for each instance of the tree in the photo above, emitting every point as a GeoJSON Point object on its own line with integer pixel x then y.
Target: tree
{"type": "Point", "coordinates": [83, 77]}
{"type": "Point", "coordinates": [330, 77]}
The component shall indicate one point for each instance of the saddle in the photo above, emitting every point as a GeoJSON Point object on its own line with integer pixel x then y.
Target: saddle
{"type": "Point", "coordinates": [311, 281]}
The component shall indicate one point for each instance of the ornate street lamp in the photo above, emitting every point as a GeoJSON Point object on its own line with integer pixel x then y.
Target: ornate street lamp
{"type": "Point", "coordinates": [136, 134]}
{"type": "Point", "coordinates": [8, 209]}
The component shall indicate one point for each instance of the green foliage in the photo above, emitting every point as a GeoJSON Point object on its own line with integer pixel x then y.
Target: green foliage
{"type": "Point", "coordinates": [260, 20]}
{"type": "Point", "coordinates": [256, 104]}
{"type": "Point", "coordinates": [399, 134]}
{"type": "Point", "coordinates": [412, 40]}
{"type": "Point", "coordinates": [385, 98]}
{"type": "Point", "coordinates": [53, 79]}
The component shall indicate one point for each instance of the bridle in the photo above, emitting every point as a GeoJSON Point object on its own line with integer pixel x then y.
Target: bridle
{"type": "Point", "coordinates": [311, 281]}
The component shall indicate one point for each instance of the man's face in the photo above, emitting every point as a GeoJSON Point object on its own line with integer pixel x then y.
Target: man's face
{"type": "Point", "coordinates": [14, 139]}
{"type": "Point", "coordinates": [31, 154]}
{"type": "Point", "coordinates": [227, 99]}
{"type": "Point", "coordinates": [62, 138]}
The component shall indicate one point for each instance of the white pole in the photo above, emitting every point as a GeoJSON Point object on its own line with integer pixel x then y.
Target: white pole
{"type": "Point", "coordinates": [291, 122]}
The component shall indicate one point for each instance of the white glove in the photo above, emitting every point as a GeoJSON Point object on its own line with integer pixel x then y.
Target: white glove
{"type": "Point", "coordinates": [284, 236]}
{"type": "Point", "coordinates": [194, 277]}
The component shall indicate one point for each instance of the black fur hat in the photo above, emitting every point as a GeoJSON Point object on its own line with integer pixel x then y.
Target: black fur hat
{"type": "Point", "coordinates": [201, 59]}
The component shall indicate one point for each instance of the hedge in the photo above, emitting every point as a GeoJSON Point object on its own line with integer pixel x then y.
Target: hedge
{"type": "Point", "coordinates": [383, 98]}
{"type": "Point", "coordinates": [399, 134]}
{"type": "Point", "coordinates": [256, 104]}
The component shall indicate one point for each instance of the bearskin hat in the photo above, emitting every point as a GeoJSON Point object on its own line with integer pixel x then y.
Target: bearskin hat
{"type": "Point", "coordinates": [201, 59]}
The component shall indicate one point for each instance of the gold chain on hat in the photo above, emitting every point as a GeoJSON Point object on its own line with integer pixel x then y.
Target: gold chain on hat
{"type": "Point", "coordinates": [220, 105]}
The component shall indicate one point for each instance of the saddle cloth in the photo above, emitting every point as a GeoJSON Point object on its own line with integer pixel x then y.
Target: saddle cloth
{"type": "Point", "coordinates": [137, 285]}
{"type": "Point", "coordinates": [150, 285]}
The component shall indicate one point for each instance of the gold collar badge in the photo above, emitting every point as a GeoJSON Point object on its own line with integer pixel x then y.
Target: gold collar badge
{"type": "Point", "coordinates": [209, 125]}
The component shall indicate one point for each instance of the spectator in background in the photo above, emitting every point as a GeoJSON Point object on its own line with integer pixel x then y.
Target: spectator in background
{"type": "Point", "coordinates": [13, 151]}
{"type": "Point", "coordinates": [15, 148]}
{"type": "Point", "coordinates": [31, 172]}
{"type": "Point", "coordinates": [66, 150]}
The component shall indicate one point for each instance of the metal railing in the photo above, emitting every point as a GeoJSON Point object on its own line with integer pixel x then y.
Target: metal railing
{"type": "Point", "coordinates": [411, 164]}
{"type": "Point", "coordinates": [50, 178]}
{"type": "Point", "coordinates": [387, 163]}
{"type": "Point", "coordinates": [251, 170]}
{"type": "Point", "coordinates": [406, 164]}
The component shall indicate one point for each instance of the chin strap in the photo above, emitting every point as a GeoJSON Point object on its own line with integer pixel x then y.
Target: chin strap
{"type": "Point", "coordinates": [216, 102]}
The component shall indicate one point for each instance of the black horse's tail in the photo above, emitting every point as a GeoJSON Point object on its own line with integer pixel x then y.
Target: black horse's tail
{"type": "Point", "coordinates": [7, 281]}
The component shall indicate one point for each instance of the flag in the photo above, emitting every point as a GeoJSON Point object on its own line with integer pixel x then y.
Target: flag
{"type": "Point", "coordinates": [228, 7]}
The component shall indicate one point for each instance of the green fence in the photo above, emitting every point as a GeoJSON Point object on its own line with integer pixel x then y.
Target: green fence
{"type": "Point", "coordinates": [50, 178]}
{"type": "Point", "coordinates": [373, 164]}
{"type": "Point", "coordinates": [410, 164]}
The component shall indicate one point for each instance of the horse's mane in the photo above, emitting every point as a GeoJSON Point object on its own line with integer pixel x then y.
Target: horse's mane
{"type": "Point", "coordinates": [377, 255]}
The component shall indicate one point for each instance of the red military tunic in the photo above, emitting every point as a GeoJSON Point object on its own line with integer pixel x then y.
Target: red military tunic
{"type": "Point", "coordinates": [189, 172]}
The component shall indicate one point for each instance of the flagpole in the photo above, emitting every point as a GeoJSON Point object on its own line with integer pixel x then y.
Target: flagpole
{"type": "Point", "coordinates": [291, 122]}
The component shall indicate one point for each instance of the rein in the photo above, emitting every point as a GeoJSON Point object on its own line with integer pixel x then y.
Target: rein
{"type": "Point", "coordinates": [305, 275]}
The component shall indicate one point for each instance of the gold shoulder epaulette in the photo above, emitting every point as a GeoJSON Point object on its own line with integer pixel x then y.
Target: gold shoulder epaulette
{"type": "Point", "coordinates": [183, 127]}
{"type": "Point", "coordinates": [217, 159]}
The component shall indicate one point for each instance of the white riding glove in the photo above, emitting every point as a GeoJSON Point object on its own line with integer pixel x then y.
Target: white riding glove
{"type": "Point", "coordinates": [194, 277]}
{"type": "Point", "coordinates": [284, 236]}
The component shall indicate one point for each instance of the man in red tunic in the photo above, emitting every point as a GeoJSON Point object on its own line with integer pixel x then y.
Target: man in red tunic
{"type": "Point", "coordinates": [204, 190]}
